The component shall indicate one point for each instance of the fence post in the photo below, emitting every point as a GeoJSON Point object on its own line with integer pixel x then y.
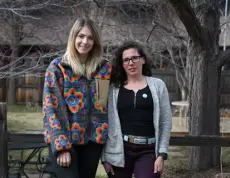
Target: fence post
{"type": "Point", "coordinates": [3, 142]}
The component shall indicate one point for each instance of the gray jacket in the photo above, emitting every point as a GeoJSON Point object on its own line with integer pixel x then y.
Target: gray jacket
{"type": "Point", "coordinates": [113, 151]}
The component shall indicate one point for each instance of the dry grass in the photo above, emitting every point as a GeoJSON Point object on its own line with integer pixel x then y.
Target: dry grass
{"type": "Point", "coordinates": [21, 121]}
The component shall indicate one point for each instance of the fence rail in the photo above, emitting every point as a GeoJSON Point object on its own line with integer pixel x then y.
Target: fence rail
{"type": "Point", "coordinates": [202, 140]}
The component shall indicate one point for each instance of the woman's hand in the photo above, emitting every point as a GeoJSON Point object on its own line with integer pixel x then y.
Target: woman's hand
{"type": "Point", "coordinates": [159, 165]}
{"type": "Point", "coordinates": [108, 168]}
{"type": "Point", "coordinates": [64, 159]}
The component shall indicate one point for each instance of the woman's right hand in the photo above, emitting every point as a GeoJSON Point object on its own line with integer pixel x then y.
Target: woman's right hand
{"type": "Point", "coordinates": [108, 168]}
{"type": "Point", "coordinates": [64, 159]}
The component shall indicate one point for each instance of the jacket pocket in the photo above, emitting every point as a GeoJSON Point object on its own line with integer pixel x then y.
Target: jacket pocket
{"type": "Point", "coordinates": [102, 90]}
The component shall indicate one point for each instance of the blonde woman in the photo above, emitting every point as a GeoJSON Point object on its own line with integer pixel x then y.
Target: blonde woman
{"type": "Point", "coordinates": [74, 103]}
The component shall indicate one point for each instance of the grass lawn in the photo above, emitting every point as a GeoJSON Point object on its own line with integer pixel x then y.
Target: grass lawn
{"type": "Point", "coordinates": [21, 119]}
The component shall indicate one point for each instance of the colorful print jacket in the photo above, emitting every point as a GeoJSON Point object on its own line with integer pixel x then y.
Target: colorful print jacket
{"type": "Point", "coordinates": [74, 108]}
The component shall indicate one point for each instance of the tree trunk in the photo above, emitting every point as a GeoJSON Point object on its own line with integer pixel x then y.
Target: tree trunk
{"type": "Point", "coordinates": [11, 94]}
{"type": "Point", "coordinates": [204, 109]}
{"type": "Point", "coordinates": [204, 75]}
{"type": "Point", "coordinates": [16, 33]}
{"type": "Point", "coordinates": [11, 91]}
{"type": "Point", "coordinates": [184, 93]}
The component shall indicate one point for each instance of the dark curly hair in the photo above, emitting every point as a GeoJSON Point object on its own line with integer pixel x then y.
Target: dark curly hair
{"type": "Point", "coordinates": [118, 75]}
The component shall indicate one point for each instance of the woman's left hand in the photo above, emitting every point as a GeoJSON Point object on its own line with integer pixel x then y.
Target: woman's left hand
{"type": "Point", "coordinates": [159, 165]}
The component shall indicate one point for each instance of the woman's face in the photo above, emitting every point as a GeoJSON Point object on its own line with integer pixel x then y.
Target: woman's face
{"type": "Point", "coordinates": [84, 41]}
{"type": "Point", "coordinates": [132, 62]}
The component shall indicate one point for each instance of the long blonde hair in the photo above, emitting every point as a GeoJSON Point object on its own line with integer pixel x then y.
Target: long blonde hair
{"type": "Point", "coordinates": [95, 55]}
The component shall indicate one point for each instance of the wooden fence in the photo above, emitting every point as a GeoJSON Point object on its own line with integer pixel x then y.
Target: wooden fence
{"type": "Point", "coordinates": [170, 80]}
{"type": "Point", "coordinates": [174, 91]}
{"type": "Point", "coordinates": [225, 89]}
{"type": "Point", "coordinates": [30, 87]}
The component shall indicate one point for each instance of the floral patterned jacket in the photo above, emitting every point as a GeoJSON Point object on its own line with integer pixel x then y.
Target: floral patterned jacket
{"type": "Point", "coordinates": [74, 108]}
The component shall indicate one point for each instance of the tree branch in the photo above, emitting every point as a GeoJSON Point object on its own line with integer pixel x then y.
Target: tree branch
{"type": "Point", "coordinates": [97, 4]}
{"type": "Point", "coordinates": [189, 19]}
{"type": "Point", "coordinates": [154, 26]}
{"type": "Point", "coordinates": [225, 23]}
{"type": "Point", "coordinates": [170, 32]}
{"type": "Point", "coordinates": [224, 57]}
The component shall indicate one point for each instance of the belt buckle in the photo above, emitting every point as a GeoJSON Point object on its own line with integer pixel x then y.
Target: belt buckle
{"type": "Point", "coordinates": [151, 140]}
{"type": "Point", "coordinates": [131, 139]}
{"type": "Point", "coordinates": [140, 141]}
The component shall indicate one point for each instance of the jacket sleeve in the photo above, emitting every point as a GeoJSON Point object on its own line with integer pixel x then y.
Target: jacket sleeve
{"type": "Point", "coordinates": [54, 111]}
{"type": "Point", "coordinates": [111, 125]}
{"type": "Point", "coordinates": [165, 123]}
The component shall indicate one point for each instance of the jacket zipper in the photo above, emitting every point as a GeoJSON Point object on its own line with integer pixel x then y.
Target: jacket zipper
{"type": "Point", "coordinates": [89, 102]}
{"type": "Point", "coordinates": [89, 109]}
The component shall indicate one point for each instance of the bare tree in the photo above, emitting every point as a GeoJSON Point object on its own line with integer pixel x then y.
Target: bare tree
{"type": "Point", "coordinates": [175, 43]}
{"type": "Point", "coordinates": [152, 24]}
{"type": "Point", "coordinates": [201, 19]}
{"type": "Point", "coordinates": [16, 17]}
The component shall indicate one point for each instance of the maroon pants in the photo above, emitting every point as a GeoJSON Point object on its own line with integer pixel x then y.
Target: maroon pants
{"type": "Point", "coordinates": [139, 160]}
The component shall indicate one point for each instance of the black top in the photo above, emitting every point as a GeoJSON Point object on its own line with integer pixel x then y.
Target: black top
{"type": "Point", "coordinates": [136, 112]}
